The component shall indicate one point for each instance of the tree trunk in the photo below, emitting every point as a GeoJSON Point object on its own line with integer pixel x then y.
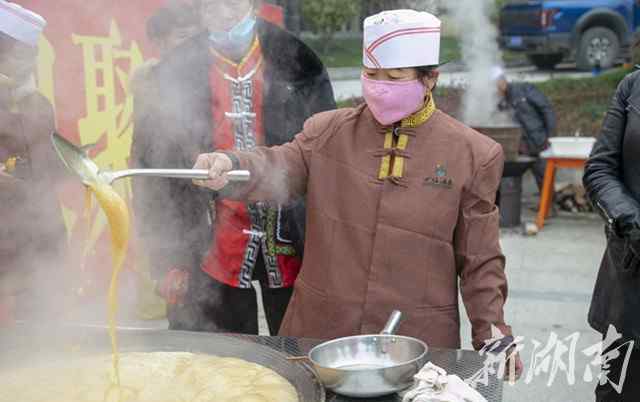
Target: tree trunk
{"type": "Point", "coordinates": [327, 41]}
{"type": "Point", "coordinates": [294, 16]}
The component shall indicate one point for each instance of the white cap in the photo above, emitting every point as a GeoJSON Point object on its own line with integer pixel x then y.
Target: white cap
{"type": "Point", "coordinates": [21, 24]}
{"type": "Point", "coordinates": [401, 38]}
{"type": "Point", "coordinates": [497, 73]}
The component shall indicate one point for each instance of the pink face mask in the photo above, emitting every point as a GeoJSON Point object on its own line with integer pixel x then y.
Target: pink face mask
{"type": "Point", "coordinates": [392, 101]}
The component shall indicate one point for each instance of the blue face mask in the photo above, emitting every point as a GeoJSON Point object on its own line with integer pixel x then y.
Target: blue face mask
{"type": "Point", "coordinates": [240, 36]}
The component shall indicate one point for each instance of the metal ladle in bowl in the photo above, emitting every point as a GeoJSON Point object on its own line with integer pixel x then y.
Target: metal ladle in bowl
{"type": "Point", "coordinates": [77, 160]}
{"type": "Point", "coordinates": [368, 366]}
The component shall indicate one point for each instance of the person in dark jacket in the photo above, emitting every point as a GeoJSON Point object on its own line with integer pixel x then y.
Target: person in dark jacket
{"type": "Point", "coordinates": [612, 181]}
{"type": "Point", "coordinates": [172, 25]}
{"type": "Point", "coordinates": [242, 83]}
{"type": "Point", "coordinates": [32, 232]}
{"type": "Point", "coordinates": [533, 111]}
{"type": "Point", "coordinates": [167, 28]}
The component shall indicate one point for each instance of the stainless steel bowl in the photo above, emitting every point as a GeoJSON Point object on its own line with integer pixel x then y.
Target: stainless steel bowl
{"type": "Point", "coordinates": [369, 366]}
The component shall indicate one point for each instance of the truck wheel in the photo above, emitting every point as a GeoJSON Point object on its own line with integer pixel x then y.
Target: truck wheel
{"type": "Point", "coordinates": [598, 45]}
{"type": "Point", "coordinates": [545, 61]}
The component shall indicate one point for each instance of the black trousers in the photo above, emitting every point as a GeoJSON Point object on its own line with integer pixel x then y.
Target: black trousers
{"type": "Point", "coordinates": [631, 385]}
{"type": "Point", "coordinates": [213, 306]}
{"type": "Point", "coordinates": [538, 169]}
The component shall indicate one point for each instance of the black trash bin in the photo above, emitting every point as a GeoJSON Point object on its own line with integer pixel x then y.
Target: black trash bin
{"type": "Point", "coordinates": [510, 201]}
{"type": "Point", "coordinates": [510, 192]}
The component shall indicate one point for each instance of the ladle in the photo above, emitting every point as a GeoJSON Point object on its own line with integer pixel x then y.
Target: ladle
{"type": "Point", "coordinates": [77, 160]}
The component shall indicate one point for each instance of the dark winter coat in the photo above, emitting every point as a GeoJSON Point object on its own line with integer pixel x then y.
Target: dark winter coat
{"type": "Point", "coordinates": [32, 232]}
{"type": "Point", "coordinates": [612, 180]}
{"type": "Point", "coordinates": [534, 113]}
{"type": "Point", "coordinates": [174, 125]}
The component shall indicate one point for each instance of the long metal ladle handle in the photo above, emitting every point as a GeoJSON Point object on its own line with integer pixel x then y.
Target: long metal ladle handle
{"type": "Point", "coordinates": [193, 174]}
{"type": "Point", "coordinates": [392, 323]}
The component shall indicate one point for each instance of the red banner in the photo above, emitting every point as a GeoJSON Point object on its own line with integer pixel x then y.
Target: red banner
{"type": "Point", "coordinates": [87, 55]}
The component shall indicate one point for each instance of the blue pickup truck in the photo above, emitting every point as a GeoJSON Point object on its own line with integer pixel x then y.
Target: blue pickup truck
{"type": "Point", "coordinates": [589, 32]}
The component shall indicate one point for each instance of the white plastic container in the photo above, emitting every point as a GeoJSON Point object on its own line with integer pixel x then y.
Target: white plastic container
{"type": "Point", "coordinates": [572, 146]}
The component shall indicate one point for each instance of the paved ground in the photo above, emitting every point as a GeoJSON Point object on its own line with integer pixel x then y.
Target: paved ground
{"type": "Point", "coordinates": [346, 81]}
{"type": "Point", "coordinates": [551, 277]}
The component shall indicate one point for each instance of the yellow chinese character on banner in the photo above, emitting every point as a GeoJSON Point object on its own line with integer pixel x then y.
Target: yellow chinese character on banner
{"type": "Point", "coordinates": [46, 60]}
{"type": "Point", "coordinates": [108, 64]}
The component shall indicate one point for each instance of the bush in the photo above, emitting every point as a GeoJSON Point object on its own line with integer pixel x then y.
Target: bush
{"type": "Point", "coordinates": [328, 16]}
{"type": "Point", "coordinates": [500, 3]}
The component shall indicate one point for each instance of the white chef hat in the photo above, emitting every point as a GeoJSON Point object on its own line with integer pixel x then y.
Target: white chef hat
{"type": "Point", "coordinates": [21, 24]}
{"type": "Point", "coordinates": [497, 73]}
{"type": "Point", "coordinates": [401, 38]}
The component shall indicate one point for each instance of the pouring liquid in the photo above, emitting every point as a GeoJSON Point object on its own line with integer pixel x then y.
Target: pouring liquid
{"type": "Point", "coordinates": [115, 208]}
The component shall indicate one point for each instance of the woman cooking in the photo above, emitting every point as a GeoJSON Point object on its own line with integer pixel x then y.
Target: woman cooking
{"type": "Point", "coordinates": [401, 201]}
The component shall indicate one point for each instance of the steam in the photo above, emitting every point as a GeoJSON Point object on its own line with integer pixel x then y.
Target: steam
{"type": "Point", "coordinates": [46, 283]}
{"type": "Point", "coordinates": [163, 123]}
{"type": "Point", "coordinates": [480, 53]}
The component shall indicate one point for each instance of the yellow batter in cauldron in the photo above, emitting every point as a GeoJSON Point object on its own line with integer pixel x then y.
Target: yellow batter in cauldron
{"type": "Point", "coordinates": [141, 377]}
{"type": "Point", "coordinates": [148, 377]}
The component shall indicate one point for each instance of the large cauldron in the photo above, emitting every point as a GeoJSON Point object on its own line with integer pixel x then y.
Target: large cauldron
{"type": "Point", "coordinates": [32, 346]}
{"type": "Point", "coordinates": [507, 135]}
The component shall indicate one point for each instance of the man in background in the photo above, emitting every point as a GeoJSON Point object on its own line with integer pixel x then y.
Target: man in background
{"type": "Point", "coordinates": [172, 25]}
{"type": "Point", "coordinates": [242, 83]}
{"type": "Point", "coordinates": [32, 233]}
{"type": "Point", "coordinates": [533, 111]}
{"type": "Point", "coordinates": [168, 28]}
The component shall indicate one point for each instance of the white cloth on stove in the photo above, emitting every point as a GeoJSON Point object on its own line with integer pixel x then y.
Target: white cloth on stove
{"type": "Point", "coordinates": [434, 385]}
